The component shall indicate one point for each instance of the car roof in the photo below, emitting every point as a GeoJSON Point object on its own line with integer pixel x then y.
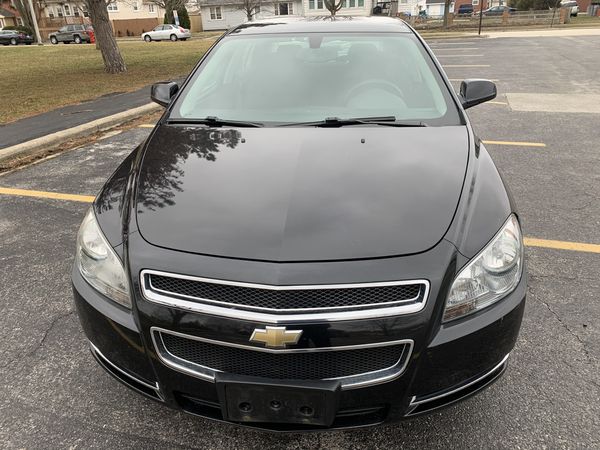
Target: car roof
{"type": "Point", "coordinates": [323, 24]}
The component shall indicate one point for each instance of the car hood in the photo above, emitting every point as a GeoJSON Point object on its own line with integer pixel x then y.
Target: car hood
{"type": "Point", "coordinates": [300, 194]}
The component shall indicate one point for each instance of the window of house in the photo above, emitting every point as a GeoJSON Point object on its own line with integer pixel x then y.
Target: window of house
{"type": "Point", "coordinates": [361, 3]}
{"type": "Point", "coordinates": [284, 9]}
{"type": "Point", "coordinates": [59, 11]}
{"type": "Point", "coordinates": [257, 9]}
{"type": "Point", "coordinates": [67, 8]}
{"type": "Point", "coordinates": [75, 10]}
{"type": "Point", "coordinates": [112, 6]}
{"type": "Point", "coordinates": [50, 11]}
{"type": "Point", "coordinates": [151, 7]}
{"type": "Point", "coordinates": [19, 21]}
{"type": "Point", "coordinates": [136, 6]}
{"type": "Point", "coordinates": [319, 4]}
{"type": "Point", "coordinates": [215, 13]}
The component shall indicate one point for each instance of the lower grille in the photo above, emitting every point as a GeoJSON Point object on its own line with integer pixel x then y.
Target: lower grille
{"type": "Point", "coordinates": [355, 365]}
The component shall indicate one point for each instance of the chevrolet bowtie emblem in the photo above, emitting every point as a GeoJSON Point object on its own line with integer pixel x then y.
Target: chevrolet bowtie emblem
{"type": "Point", "coordinates": [276, 337]}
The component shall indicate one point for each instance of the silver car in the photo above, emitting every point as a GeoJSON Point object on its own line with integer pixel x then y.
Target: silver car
{"type": "Point", "coordinates": [572, 6]}
{"type": "Point", "coordinates": [167, 32]}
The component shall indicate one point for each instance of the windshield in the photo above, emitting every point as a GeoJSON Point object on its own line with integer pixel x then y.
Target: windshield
{"type": "Point", "coordinates": [295, 78]}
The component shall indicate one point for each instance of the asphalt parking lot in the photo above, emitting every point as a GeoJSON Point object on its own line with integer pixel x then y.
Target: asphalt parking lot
{"type": "Point", "coordinates": [54, 395]}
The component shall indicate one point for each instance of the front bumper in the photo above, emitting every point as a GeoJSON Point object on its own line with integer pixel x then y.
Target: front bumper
{"type": "Point", "coordinates": [452, 363]}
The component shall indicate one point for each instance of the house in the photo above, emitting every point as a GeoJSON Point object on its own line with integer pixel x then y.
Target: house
{"type": "Point", "coordinates": [225, 14]}
{"type": "Point", "coordinates": [350, 8]}
{"type": "Point", "coordinates": [128, 17]}
{"type": "Point", "coordinates": [435, 8]}
{"type": "Point", "coordinates": [9, 16]}
{"type": "Point", "coordinates": [411, 7]}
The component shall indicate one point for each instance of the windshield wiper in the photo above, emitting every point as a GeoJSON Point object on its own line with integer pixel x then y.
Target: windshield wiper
{"type": "Point", "coordinates": [216, 122]}
{"type": "Point", "coordinates": [333, 122]}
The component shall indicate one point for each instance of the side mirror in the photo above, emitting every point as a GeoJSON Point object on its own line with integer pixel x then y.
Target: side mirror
{"type": "Point", "coordinates": [163, 92]}
{"type": "Point", "coordinates": [474, 92]}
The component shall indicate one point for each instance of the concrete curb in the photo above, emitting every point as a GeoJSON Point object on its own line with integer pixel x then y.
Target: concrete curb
{"type": "Point", "coordinates": [53, 140]}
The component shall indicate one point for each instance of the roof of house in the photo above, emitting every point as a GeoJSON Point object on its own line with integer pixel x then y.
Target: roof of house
{"type": "Point", "coordinates": [6, 13]}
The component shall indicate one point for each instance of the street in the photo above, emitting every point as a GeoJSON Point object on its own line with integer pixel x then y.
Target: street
{"type": "Point", "coordinates": [54, 395]}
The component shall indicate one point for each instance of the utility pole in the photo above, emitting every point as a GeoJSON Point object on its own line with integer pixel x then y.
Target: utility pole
{"type": "Point", "coordinates": [480, 16]}
{"type": "Point", "coordinates": [35, 23]}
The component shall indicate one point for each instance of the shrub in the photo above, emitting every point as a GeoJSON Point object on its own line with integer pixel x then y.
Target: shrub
{"type": "Point", "coordinates": [21, 28]}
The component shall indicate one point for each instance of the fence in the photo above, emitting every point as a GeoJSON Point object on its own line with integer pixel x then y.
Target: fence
{"type": "Point", "coordinates": [544, 17]}
{"type": "Point", "coordinates": [133, 27]}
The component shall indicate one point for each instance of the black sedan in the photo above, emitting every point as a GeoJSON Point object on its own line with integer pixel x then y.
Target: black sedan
{"type": "Point", "coordinates": [311, 237]}
{"type": "Point", "coordinates": [14, 37]}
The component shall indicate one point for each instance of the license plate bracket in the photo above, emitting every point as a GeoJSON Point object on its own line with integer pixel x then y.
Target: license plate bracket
{"type": "Point", "coordinates": [249, 399]}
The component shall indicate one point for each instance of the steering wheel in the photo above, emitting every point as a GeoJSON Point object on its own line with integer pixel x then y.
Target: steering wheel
{"type": "Point", "coordinates": [377, 83]}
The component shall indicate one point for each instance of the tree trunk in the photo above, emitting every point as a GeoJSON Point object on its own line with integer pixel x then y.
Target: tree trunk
{"type": "Point", "coordinates": [113, 61]}
{"type": "Point", "coordinates": [446, 12]}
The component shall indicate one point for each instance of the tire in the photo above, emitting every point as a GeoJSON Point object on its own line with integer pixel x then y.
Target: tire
{"type": "Point", "coordinates": [54, 40]}
{"type": "Point", "coordinates": [173, 37]}
{"type": "Point", "coordinates": [13, 41]}
{"type": "Point", "coordinates": [77, 39]}
{"type": "Point", "coordinates": [147, 38]}
{"type": "Point", "coordinates": [184, 39]}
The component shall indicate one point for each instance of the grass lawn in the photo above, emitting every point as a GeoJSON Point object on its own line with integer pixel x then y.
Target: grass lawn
{"type": "Point", "coordinates": [37, 79]}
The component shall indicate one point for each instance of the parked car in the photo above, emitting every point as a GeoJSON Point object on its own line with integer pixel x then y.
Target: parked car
{"type": "Point", "coordinates": [14, 37]}
{"type": "Point", "coordinates": [311, 237]}
{"type": "Point", "coordinates": [465, 10]}
{"type": "Point", "coordinates": [71, 33]}
{"type": "Point", "coordinates": [572, 6]}
{"type": "Point", "coordinates": [167, 32]}
{"type": "Point", "coordinates": [497, 11]}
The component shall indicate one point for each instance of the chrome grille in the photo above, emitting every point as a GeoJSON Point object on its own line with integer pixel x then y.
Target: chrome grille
{"type": "Point", "coordinates": [284, 299]}
{"type": "Point", "coordinates": [355, 365]}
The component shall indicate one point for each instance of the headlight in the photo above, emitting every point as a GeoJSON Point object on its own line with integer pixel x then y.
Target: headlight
{"type": "Point", "coordinates": [492, 274]}
{"type": "Point", "coordinates": [99, 264]}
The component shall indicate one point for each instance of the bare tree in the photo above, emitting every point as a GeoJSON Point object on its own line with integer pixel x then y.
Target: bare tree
{"type": "Point", "coordinates": [169, 6]}
{"type": "Point", "coordinates": [113, 61]}
{"type": "Point", "coordinates": [249, 7]}
{"type": "Point", "coordinates": [333, 7]}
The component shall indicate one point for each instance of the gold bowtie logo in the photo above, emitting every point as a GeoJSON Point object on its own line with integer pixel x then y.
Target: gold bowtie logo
{"type": "Point", "coordinates": [276, 337]}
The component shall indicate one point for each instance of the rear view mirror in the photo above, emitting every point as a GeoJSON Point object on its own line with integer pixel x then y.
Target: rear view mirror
{"type": "Point", "coordinates": [163, 92]}
{"type": "Point", "coordinates": [473, 92]}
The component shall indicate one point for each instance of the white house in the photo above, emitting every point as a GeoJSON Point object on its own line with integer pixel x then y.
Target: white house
{"type": "Point", "coordinates": [225, 14]}
{"type": "Point", "coordinates": [350, 8]}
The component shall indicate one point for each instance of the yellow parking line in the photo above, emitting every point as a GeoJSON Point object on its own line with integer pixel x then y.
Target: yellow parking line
{"type": "Point", "coordinates": [44, 194]}
{"type": "Point", "coordinates": [147, 125]}
{"type": "Point", "coordinates": [518, 144]}
{"type": "Point", "coordinates": [530, 242]}
{"type": "Point", "coordinates": [562, 245]}
{"type": "Point", "coordinates": [496, 103]}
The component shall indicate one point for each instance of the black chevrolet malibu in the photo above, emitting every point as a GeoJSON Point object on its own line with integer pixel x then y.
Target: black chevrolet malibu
{"type": "Point", "coordinates": [311, 237]}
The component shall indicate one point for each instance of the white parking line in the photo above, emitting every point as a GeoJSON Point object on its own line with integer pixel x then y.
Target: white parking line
{"type": "Point", "coordinates": [454, 49]}
{"type": "Point", "coordinates": [465, 65]}
{"type": "Point", "coordinates": [455, 56]}
{"type": "Point", "coordinates": [458, 80]}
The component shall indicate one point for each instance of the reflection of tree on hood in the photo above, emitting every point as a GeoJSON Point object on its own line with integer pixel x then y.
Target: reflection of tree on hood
{"type": "Point", "coordinates": [171, 146]}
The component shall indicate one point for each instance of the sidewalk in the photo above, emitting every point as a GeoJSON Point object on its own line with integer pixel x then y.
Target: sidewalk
{"type": "Point", "coordinates": [70, 116]}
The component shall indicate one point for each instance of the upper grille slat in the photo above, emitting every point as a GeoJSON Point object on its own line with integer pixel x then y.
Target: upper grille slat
{"type": "Point", "coordinates": [282, 299]}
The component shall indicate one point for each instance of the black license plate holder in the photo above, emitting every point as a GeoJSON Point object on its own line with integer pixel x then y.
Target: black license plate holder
{"type": "Point", "coordinates": [249, 399]}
